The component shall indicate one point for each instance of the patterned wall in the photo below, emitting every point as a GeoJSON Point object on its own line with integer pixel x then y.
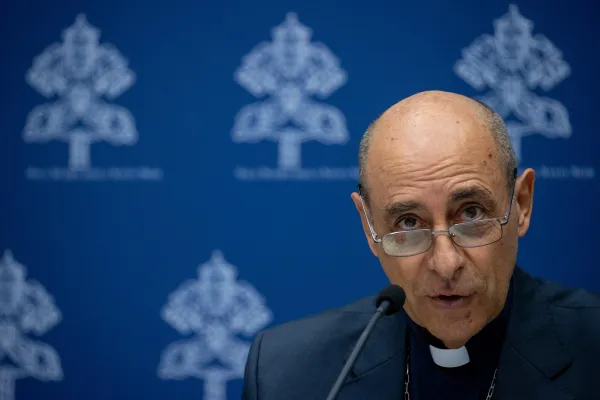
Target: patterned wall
{"type": "Point", "coordinates": [176, 176]}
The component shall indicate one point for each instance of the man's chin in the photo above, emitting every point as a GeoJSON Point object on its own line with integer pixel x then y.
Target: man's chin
{"type": "Point", "coordinates": [453, 325]}
{"type": "Point", "coordinates": [455, 332]}
{"type": "Point", "coordinates": [452, 319]}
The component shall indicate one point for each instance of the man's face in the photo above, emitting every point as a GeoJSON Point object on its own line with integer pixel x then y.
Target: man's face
{"type": "Point", "coordinates": [434, 170]}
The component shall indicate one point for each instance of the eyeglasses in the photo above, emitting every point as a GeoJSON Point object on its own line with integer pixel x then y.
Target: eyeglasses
{"type": "Point", "coordinates": [470, 234]}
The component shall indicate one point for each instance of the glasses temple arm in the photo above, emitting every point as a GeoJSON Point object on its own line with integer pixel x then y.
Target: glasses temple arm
{"type": "Point", "coordinates": [512, 199]}
{"type": "Point", "coordinates": [373, 234]}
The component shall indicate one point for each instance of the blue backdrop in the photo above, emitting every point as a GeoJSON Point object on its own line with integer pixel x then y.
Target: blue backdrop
{"type": "Point", "coordinates": [176, 175]}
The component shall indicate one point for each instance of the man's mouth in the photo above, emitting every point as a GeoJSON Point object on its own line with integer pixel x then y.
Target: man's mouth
{"type": "Point", "coordinates": [450, 301]}
{"type": "Point", "coordinates": [450, 297]}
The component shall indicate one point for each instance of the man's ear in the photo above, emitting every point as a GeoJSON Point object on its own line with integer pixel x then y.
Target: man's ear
{"type": "Point", "coordinates": [359, 207]}
{"type": "Point", "coordinates": [524, 199]}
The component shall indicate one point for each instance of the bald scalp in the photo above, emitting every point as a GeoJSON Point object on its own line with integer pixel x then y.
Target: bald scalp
{"type": "Point", "coordinates": [492, 122]}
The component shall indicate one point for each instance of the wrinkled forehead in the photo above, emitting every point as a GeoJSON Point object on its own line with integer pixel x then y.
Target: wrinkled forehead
{"type": "Point", "coordinates": [435, 189]}
{"type": "Point", "coordinates": [433, 157]}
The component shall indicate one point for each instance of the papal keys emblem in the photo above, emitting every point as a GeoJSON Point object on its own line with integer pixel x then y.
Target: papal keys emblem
{"type": "Point", "coordinates": [220, 314]}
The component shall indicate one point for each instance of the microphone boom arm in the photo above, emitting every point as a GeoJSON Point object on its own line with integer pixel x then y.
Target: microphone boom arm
{"type": "Point", "coordinates": [362, 340]}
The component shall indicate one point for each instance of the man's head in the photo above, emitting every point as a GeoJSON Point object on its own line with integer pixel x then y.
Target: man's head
{"type": "Point", "coordinates": [433, 161]}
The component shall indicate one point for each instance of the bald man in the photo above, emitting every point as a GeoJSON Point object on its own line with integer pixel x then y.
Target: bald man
{"type": "Point", "coordinates": [443, 209]}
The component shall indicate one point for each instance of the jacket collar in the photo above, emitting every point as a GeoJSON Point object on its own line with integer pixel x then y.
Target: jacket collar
{"type": "Point", "coordinates": [533, 356]}
{"type": "Point", "coordinates": [381, 366]}
{"type": "Point", "coordinates": [387, 341]}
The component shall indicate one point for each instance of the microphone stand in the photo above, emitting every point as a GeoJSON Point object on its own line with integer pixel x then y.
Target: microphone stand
{"type": "Point", "coordinates": [362, 340]}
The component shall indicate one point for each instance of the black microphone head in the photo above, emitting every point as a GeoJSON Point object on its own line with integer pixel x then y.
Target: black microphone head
{"type": "Point", "coordinates": [395, 295]}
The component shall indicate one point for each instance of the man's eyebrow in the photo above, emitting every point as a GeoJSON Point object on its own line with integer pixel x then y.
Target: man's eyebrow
{"type": "Point", "coordinates": [401, 207]}
{"type": "Point", "coordinates": [478, 193]}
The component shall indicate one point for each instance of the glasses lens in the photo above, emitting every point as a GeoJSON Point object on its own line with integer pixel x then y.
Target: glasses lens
{"type": "Point", "coordinates": [476, 233]}
{"type": "Point", "coordinates": [408, 243]}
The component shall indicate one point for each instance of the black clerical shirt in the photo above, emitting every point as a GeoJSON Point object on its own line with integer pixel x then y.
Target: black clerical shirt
{"type": "Point", "coordinates": [428, 381]}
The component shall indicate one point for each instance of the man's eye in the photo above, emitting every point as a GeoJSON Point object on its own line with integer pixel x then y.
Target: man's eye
{"type": "Point", "coordinates": [408, 223]}
{"type": "Point", "coordinates": [472, 213]}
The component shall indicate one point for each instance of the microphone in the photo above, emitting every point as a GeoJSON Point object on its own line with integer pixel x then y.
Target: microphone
{"type": "Point", "coordinates": [389, 301]}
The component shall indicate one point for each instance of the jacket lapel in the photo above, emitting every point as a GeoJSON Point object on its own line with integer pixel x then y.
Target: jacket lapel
{"type": "Point", "coordinates": [533, 356]}
{"type": "Point", "coordinates": [519, 380]}
{"type": "Point", "coordinates": [380, 369]}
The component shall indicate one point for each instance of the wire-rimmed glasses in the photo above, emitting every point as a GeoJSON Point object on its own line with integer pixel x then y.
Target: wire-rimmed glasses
{"type": "Point", "coordinates": [477, 233]}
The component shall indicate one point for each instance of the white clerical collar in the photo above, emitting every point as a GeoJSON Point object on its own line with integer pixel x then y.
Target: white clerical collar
{"type": "Point", "coordinates": [450, 358]}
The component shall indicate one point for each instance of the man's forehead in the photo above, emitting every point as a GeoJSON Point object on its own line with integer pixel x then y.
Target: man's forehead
{"type": "Point", "coordinates": [449, 188]}
{"type": "Point", "coordinates": [429, 139]}
{"type": "Point", "coordinates": [407, 163]}
{"type": "Point", "coordinates": [459, 194]}
{"type": "Point", "coordinates": [429, 177]}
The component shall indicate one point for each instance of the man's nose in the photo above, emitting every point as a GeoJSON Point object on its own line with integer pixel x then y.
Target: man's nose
{"type": "Point", "coordinates": [446, 259]}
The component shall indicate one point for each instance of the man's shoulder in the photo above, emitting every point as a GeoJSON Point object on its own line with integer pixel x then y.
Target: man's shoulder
{"type": "Point", "coordinates": [317, 342]}
{"type": "Point", "coordinates": [574, 315]}
{"type": "Point", "coordinates": [304, 356]}
{"type": "Point", "coordinates": [568, 297]}
{"type": "Point", "coordinates": [575, 310]}
{"type": "Point", "coordinates": [322, 328]}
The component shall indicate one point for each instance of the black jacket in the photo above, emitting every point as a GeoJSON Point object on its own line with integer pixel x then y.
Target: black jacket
{"type": "Point", "coordinates": [551, 351]}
